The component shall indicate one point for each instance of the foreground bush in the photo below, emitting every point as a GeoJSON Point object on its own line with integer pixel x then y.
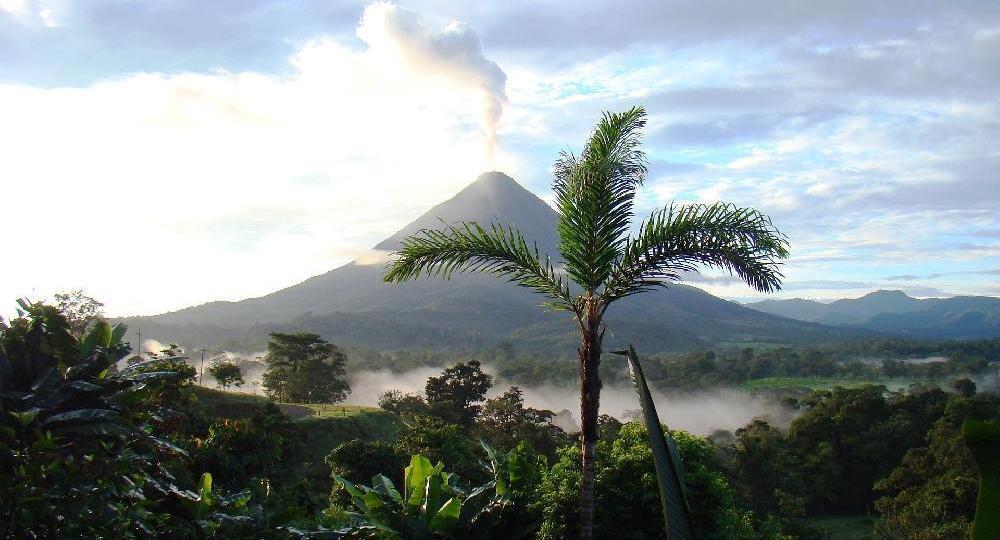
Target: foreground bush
{"type": "Point", "coordinates": [627, 492]}
{"type": "Point", "coordinates": [82, 451]}
{"type": "Point", "coordinates": [433, 504]}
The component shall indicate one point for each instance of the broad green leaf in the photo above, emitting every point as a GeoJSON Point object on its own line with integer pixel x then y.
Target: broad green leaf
{"type": "Point", "coordinates": [414, 481]}
{"type": "Point", "coordinates": [105, 333]}
{"type": "Point", "coordinates": [372, 501]}
{"type": "Point", "coordinates": [352, 489]}
{"type": "Point", "coordinates": [240, 500]}
{"type": "Point", "coordinates": [99, 336]}
{"type": "Point", "coordinates": [521, 465]}
{"type": "Point", "coordinates": [205, 489]}
{"type": "Point", "coordinates": [669, 470]}
{"type": "Point", "coordinates": [82, 416]}
{"type": "Point", "coordinates": [490, 453]}
{"type": "Point", "coordinates": [433, 498]}
{"type": "Point", "coordinates": [447, 516]}
{"type": "Point", "coordinates": [92, 429]}
{"type": "Point", "coordinates": [449, 481]}
{"type": "Point", "coordinates": [500, 482]}
{"type": "Point", "coordinates": [384, 485]}
{"type": "Point", "coordinates": [117, 334]}
{"type": "Point", "coordinates": [983, 440]}
{"type": "Point", "coordinates": [26, 417]}
{"type": "Point", "coordinates": [85, 386]}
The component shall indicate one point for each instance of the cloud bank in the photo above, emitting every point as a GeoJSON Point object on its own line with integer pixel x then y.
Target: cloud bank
{"type": "Point", "coordinates": [250, 181]}
{"type": "Point", "coordinates": [700, 412]}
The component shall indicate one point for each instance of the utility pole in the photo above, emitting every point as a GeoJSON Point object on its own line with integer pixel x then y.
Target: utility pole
{"type": "Point", "coordinates": [138, 351]}
{"type": "Point", "coordinates": [201, 376]}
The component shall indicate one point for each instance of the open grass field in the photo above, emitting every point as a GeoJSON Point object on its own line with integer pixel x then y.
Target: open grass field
{"type": "Point", "coordinates": [228, 404]}
{"type": "Point", "coordinates": [324, 426]}
{"type": "Point", "coordinates": [819, 383]}
{"type": "Point", "coordinates": [241, 405]}
{"type": "Point", "coordinates": [324, 410]}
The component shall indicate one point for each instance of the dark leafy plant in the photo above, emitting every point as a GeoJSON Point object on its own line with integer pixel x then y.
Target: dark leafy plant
{"type": "Point", "coordinates": [226, 373]}
{"type": "Point", "coordinates": [402, 404]}
{"type": "Point", "coordinates": [506, 421]}
{"type": "Point", "coordinates": [429, 505]}
{"type": "Point", "coordinates": [440, 441]}
{"type": "Point", "coordinates": [515, 476]}
{"type": "Point", "coordinates": [455, 394]}
{"type": "Point", "coordinates": [432, 505]}
{"type": "Point", "coordinates": [364, 459]}
{"type": "Point", "coordinates": [304, 368]}
{"type": "Point", "coordinates": [80, 452]}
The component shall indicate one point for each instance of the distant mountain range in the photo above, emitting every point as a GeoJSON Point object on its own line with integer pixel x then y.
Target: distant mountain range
{"type": "Point", "coordinates": [352, 305]}
{"type": "Point", "coordinates": [963, 317]}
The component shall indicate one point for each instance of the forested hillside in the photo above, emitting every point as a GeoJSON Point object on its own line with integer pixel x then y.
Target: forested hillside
{"type": "Point", "coordinates": [114, 446]}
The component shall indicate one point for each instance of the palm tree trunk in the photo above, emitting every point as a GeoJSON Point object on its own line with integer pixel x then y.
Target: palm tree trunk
{"type": "Point", "coordinates": [590, 396]}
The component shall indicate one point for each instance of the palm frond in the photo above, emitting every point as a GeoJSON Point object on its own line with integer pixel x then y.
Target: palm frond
{"type": "Point", "coordinates": [469, 247]}
{"type": "Point", "coordinates": [677, 519]}
{"type": "Point", "coordinates": [684, 238]}
{"type": "Point", "coordinates": [595, 193]}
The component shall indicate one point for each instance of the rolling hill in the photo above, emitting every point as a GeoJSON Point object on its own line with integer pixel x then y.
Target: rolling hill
{"type": "Point", "coordinates": [962, 317]}
{"type": "Point", "coordinates": [352, 305]}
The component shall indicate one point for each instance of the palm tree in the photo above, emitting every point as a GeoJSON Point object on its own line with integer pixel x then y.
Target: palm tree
{"type": "Point", "coordinates": [603, 262]}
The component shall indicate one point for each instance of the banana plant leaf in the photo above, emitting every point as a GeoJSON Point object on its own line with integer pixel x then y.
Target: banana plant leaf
{"type": "Point", "coordinates": [983, 440]}
{"type": "Point", "coordinates": [99, 336]}
{"type": "Point", "coordinates": [415, 481]}
{"type": "Point", "coordinates": [669, 470]}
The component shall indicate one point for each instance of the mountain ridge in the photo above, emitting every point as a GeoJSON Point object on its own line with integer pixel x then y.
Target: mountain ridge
{"type": "Point", "coordinates": [893, 311]}
{"type": "Point", "coordinates": [479, 308]}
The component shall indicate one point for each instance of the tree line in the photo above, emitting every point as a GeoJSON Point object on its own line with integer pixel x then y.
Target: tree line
{"type": "Point", "coordinates": [95, 446]}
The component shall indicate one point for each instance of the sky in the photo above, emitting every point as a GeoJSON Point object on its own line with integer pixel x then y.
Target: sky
{"type": "Point", "coordinates": [161, 154]}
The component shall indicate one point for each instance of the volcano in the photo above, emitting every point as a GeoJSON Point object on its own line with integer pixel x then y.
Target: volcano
{"type": "Point", "coordinates": [352, 305]}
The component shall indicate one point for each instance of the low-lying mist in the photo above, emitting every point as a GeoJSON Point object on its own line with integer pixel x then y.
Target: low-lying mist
{"type": "Point", "coordinates": [700, 412]}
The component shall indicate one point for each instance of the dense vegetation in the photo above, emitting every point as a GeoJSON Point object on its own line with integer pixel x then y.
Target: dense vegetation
{"type": "Point", "coordinates": [95, 446]}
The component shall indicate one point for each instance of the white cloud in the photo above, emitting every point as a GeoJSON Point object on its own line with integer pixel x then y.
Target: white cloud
{"type": "Point", "coordinates": [153, 191]}
{"type": "Point", "coordinates": [15, 7]}
{"type": "Point", "coordinates": [30, 12]}
{"type": "Point", "coordinates": [987, 34]}
{"type": "Point", "coordinates": [48, 17]}
{"type": "Point", "coordinates": [455, 53]}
